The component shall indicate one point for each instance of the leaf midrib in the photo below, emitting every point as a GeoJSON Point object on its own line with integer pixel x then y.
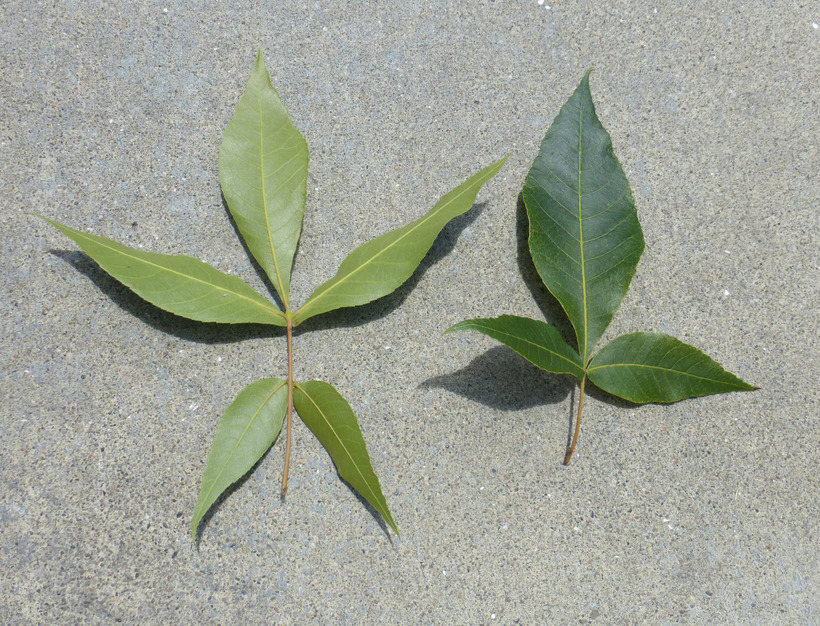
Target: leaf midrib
{"type": "Point", "coordinates": [282, 291]}
{"type": "Point", "coordinates": [341, 442]}
{"type": "Point", "coordinates": [187, 276]}
{"type": "Point", "coordinates": [242, 437]}
{"type": "Point", "coordinates": [662, 369]}
{"type": "Point", "coordinates": [584, 352]}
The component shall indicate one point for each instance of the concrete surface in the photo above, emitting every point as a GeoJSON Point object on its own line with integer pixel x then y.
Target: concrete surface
{"type": "Point", "coordinates": [701, 512]}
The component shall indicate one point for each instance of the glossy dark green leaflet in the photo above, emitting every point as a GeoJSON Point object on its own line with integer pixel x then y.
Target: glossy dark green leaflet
{"type": "Point", "coordinates": [538, 342]}
{"type": "Point", "coordinates": [585, 238]}
{"type": "Point", "coordinates": [652, 367]}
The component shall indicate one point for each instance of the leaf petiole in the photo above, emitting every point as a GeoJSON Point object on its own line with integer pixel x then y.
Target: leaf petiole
{"type": "Point", "coordinates": [289, 426]}
{"type": "Point", "coordinates": [577, 422]}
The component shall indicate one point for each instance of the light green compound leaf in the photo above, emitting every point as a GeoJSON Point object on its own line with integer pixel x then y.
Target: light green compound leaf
{"type": "Point", "coordinates": [263, 168]}
{"type": "Point", "coordinates": [652, 367]}
{"type": "Point", "coordinates": [585, 238]}
{"type": "Point", "coordinates": [179, 284]}
{"type": "Point", "coordinates": [381, 265]}
{"type": "Point", "coordinates": [330, 418]}
{"type": "Point", "coordinates": [245, 432]}
{"type": "Point", "coordinates": [538, 342]}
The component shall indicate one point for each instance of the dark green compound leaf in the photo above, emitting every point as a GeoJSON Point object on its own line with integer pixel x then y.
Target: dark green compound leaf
{"type": "Point", "coordinates": [328, 415]}
{"type": "Point", "coordinates": [652, 367]}
{"type": "Point", "coordinates": [586, 241]}
{"type": "Point", "coordinates": [585, 238]}
{"type": "Point", "coordinates": [247, 429]}
{"type": "Point", "coordinates": [538, 342]}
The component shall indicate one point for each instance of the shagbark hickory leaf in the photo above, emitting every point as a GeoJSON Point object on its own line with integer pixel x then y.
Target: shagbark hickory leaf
{"type": "Point", "coordinates": [263, 167]}
{"type": "Point", "coordinates": [263, 171]}
{"type": "Point", "coordinates": [381, 265]}
{"type": "Point", "coordinates": [179, 284]}
{"type": "Point", "coordinates": [328, 415]}
{"type": "Point", "coordinates": [586, 241]}
{"type": "Point", "coordinates": [244, 433]}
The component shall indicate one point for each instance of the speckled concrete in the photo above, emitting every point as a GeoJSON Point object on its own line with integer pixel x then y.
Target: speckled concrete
{"type": "Point", "coordinates": [704, 511]}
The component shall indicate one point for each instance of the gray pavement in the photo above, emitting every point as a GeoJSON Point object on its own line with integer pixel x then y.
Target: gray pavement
{"type": "Point", "coordinates": [702, 512]}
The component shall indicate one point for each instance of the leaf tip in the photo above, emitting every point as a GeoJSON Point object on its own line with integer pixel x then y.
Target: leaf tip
{"type": "Point", "coordinates": [453, 329]}
{"type": "Point", "coordinates": [259, 66]}
{"type": "Point", "coordinates": [585, 79]}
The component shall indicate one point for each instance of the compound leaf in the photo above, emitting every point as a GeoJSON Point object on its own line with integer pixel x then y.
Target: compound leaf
{"type": "Point", "coordinates": [653, 367]}
{"type": "Point", "coordinates": [246, 430]}
{"type": "Point", "coordinates": [586, 241]}
{"type": "Point", "coordinates": [263, 167]}
{"type": "Point", "coordinates": [381, 265]}
{"type": "Point", "coordinates": [585, 238]}
{"type": "Point", "coordinates": [538, 342]}
{"type": "Point", "coordinates": [328, 415]}
{"type": "Point", "coordinates": [179, 284]}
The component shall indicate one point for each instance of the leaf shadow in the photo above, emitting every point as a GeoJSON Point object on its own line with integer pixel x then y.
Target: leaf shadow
{"type": "Point", "coordinates": [549, 305]}
{"type": "Point", "coordinates": [501, 379]}
{"type": "Point", "coordinates": [381, 307]}
{"type": "Point", "coordinates": [368, 507]}
{"type": "Point", "coordinates": [159, 319]}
